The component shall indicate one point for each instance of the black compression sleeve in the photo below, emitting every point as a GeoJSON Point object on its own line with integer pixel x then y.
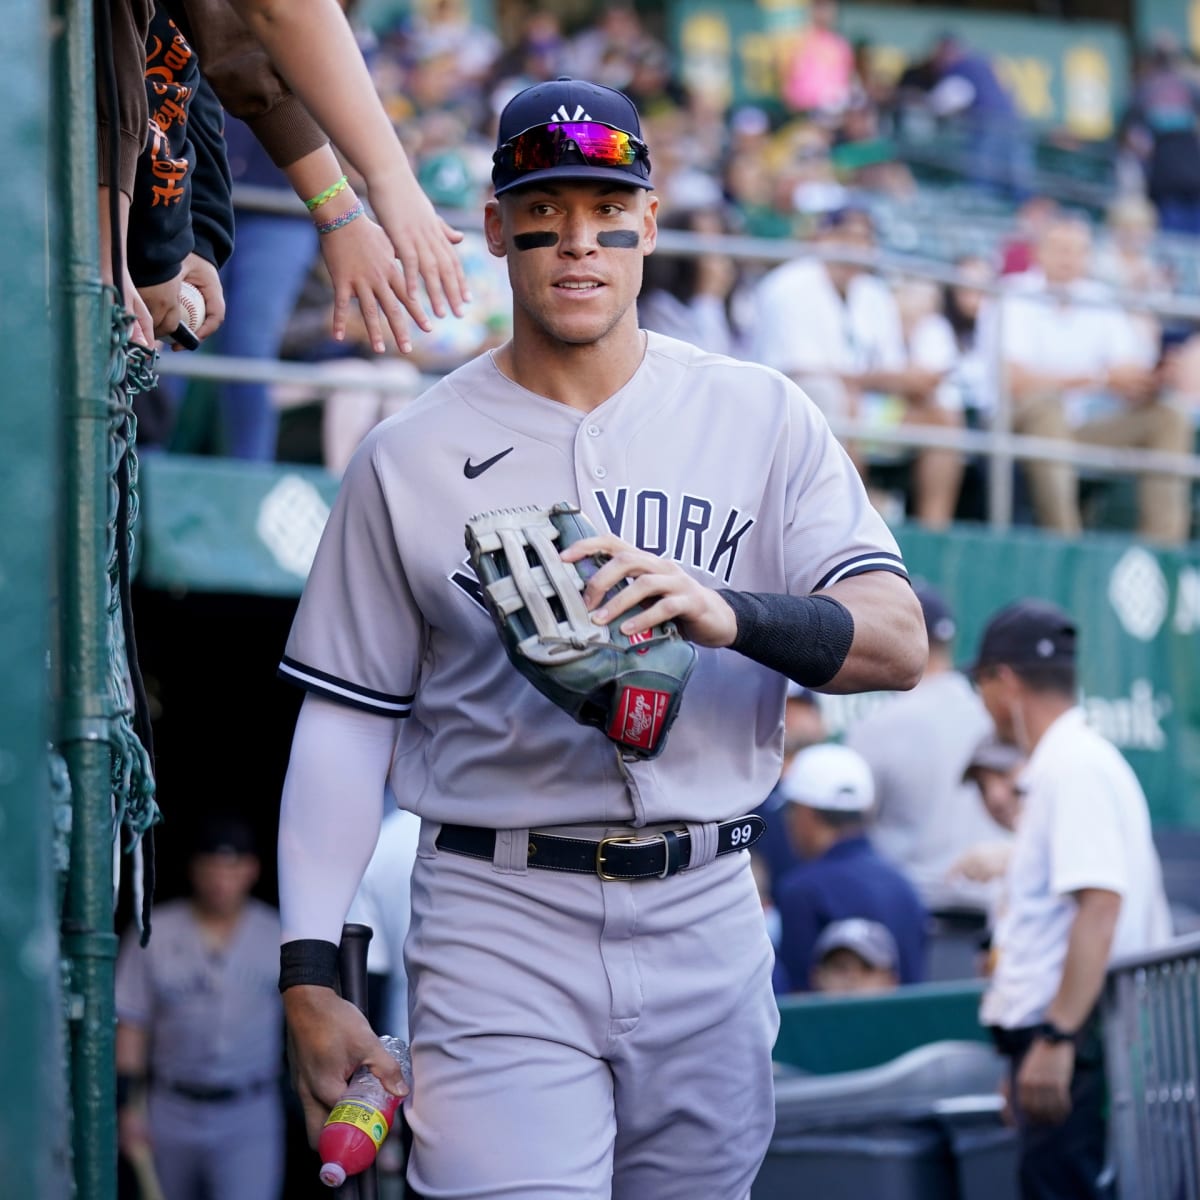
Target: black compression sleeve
{"type": "Point", "coordinates": [806, 638]}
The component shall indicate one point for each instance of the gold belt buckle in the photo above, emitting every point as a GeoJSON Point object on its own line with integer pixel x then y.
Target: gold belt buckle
{"type": "Point", "coordinates": [620, 840]}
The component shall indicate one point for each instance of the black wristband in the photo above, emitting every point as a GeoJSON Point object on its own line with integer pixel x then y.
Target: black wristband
{"type": "Point", "coordinates": [806, 638]}
{"type": "Point", "coordinates": [308, 962]}
{"type": "Point", "coordinates": [1047, 1031]}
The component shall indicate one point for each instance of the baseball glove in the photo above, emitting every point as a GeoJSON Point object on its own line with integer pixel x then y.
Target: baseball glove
{"type": "Point", "coordinates": [628, 687]}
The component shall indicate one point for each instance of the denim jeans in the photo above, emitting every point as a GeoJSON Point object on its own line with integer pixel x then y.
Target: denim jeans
{"type": "Point", "coordinates": [262, 282]}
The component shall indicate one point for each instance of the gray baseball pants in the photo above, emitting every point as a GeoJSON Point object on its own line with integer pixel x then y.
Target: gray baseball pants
{"type": "Point", "coordinates": [225, 1151]}
{"type": "Point", "coordinates": [585, 1040]}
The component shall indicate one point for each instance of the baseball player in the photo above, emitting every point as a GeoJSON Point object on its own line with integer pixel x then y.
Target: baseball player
{"type": "Point", "coordinates": [575, 1032]}
{"type": "Point", "coordinates": [199, 1034]}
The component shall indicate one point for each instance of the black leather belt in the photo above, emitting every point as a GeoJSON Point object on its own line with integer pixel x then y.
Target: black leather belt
{"type": "Point", "coordinates": [216, 1095]}
{"type": "Point", "coordinates": [624, 857]}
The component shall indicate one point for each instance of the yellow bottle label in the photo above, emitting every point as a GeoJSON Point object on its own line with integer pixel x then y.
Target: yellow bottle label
{"type": "Point", "coordinates": [362, 1116]}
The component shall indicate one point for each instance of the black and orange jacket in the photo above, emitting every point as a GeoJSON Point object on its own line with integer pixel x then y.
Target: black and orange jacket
{"type": "Point", "coordinates": [232, 61]}
{"type": "Point", "coordinates": [182, 197]}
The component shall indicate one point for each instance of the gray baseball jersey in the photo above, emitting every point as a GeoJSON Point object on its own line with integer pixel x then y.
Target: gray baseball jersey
{"type": "Point", "coordinates": [724, 466]}
{"type": "Point", "coordinates": [215, 1021]}
{"type": "Point", "coordinates": [214, 1018]}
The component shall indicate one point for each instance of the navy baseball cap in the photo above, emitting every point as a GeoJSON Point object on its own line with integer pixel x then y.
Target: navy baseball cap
{"type": "Point", "coordinates": [1026, 633]}
{"type": "Point", "coordinates": [569, 129]}
{"type": "Point", "coordinates": [223, 833]}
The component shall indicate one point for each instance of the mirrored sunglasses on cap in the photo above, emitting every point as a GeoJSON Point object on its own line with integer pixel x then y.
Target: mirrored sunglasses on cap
{"type": "Point", "coordinates": [542, 147]}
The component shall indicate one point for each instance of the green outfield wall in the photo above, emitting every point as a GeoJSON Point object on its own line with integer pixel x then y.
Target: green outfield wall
{"type": "Point", "coordinates": [220, 526]}
{"type": "Point", "coordinates": [1139, 617]}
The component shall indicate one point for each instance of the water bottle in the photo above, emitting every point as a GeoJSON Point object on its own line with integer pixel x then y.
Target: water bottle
{"type": "Point", "coordinates": [360, 1120]}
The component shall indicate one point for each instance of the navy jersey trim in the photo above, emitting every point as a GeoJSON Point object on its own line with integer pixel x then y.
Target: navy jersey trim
{"type": "Point", "coordinates": [384, 703]}
{"type": "Point", "coordinates": [860, 564]}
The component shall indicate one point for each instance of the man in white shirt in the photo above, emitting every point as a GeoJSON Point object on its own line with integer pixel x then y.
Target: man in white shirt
{"type": "Point", "coordinates": [1084, 884]}
{"type": "Point", "coordinates": [1078, 367]}
{"type": "Point", "coordinates": [835, 329]}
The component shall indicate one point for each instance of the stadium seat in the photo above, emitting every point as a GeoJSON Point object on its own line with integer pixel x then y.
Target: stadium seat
{"type": "Point", "coordinates": [925, 1126]}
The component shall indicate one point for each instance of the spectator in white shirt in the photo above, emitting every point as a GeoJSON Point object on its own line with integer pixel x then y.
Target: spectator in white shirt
{"type": "Point", "coordinates": [1077, 368]}
{"type": "Point", "coordinates": [967, 309]}
{"type": "Point", "coordinates": [835, 329]}
{"type": "Point", "coordinates": [1084, 884]}
{"type": "Point", "coordinates": [930, 345]}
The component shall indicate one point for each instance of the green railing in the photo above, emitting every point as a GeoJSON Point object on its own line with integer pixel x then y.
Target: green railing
{"type": "Point", "coordinates": [72, 771]}
{"type": "Point", "coordinates": [31, 1146]}
{"type": "Point", "coordinates": [1152, 1050]}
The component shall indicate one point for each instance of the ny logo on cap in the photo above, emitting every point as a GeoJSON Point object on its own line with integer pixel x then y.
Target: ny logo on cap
{"type": "Point", "coordinates": [561, 114]}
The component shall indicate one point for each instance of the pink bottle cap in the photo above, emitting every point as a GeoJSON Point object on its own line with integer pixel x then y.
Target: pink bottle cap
{"type": "Point", "coordinates": [333, 1174]}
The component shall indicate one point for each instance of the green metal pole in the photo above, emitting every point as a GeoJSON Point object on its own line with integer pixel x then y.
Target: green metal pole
{"type": "Point", "coordinates": [89, 941]}
{"type": "Point", "coordinates": [30, 1013]}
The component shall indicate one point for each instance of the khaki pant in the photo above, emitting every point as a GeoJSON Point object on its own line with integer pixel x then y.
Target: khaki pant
{"type": "Point", "coordinates": [1163, 500]}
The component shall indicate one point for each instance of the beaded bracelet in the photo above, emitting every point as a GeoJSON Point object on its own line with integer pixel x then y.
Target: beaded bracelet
{"type": "Point", "coordinates": [351, 214]}
{"type": "Point", "coordinates": [328, 194]}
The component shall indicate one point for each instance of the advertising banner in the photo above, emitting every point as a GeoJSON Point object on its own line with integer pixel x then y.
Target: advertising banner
{"type": "Point", "coordinates": [1072, 76]}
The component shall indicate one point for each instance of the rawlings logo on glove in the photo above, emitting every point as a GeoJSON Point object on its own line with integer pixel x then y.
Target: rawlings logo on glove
{"type": "Point", "coordinates": [629, 687]}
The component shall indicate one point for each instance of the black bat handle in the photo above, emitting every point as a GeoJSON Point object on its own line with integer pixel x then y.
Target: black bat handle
{"type": "Point", "coordinates": [352, 971]}
{"type": "Point", "coordinates": [352, 964]}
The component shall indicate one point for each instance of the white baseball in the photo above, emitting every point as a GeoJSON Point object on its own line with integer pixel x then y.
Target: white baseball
{"type": "Point", "coordinates": [191, 299]}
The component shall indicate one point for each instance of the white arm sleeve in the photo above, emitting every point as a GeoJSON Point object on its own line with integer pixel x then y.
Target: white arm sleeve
{"type": "Point", "coordinates": [330, 815]}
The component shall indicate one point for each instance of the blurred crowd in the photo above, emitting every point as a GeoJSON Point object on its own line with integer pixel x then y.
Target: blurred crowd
{"type": "Point", "coordinates": [1030, 303]}
{"type": "Point", "coordinates": [882, 867]}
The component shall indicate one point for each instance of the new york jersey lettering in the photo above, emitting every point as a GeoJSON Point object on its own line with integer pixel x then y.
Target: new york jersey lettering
{"type": "Point", "coordinates": [683, 528]}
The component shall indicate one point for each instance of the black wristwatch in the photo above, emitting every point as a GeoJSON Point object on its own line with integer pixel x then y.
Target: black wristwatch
{"type": "Point", "coordinates": [1047, 1031]}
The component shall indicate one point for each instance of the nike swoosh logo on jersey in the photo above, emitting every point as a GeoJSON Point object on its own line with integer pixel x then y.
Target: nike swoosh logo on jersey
{"type": "Point", "coordinates": [472, 470]}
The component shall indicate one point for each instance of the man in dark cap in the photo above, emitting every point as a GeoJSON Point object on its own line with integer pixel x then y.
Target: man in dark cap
{"type": "Point", "coordinates": [1084, 884]}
